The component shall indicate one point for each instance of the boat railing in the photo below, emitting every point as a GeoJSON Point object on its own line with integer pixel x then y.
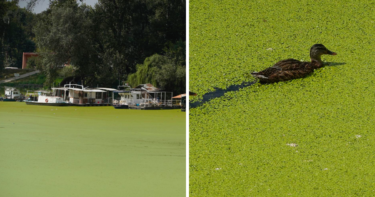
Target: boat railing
{"type": "Point", "coordinates": [146, 102]}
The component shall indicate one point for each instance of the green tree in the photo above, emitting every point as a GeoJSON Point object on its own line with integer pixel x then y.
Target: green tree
{"type": "Point", "coordinates": [122, 34]}
{"type": "Point", "coordinates": [63, 35]}
{"type": "Point", "coordinates": [146, 72]}
{"type": "Point", "coordinates": [4, 6]}
{"type": "Point", "coordinates": [15, 29]}
{"type": "Point", "coordinates": [130, 31]}
{"type": "Point", "coordinates": [160, 71]}
{"type": "Point", "coordinates": [107, 44]}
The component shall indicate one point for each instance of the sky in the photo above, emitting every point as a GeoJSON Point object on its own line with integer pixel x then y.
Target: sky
{"type": "Point", "coordinates": [44, 4]}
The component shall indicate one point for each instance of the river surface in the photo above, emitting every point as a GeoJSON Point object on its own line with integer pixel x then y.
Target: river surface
{"type": "Point", "coordinates": [91, 151]}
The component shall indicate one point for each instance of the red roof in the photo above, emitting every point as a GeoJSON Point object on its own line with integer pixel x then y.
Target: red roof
{"type": "Point", "coordinates": [179, 96]}
{"type": "Point", "coordinates": [190, 94]}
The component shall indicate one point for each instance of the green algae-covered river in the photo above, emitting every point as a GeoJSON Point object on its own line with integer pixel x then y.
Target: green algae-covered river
{"type": "Point", "coordinates": [90, 151]}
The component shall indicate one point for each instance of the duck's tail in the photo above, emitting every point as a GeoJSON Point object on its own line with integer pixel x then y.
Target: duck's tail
{"type": "Point", "coordinates": [257, 75]}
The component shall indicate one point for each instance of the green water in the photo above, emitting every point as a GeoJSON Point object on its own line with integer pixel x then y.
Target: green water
{"type": "Point", "coordinates": [312, 136]}
{"type": "Point", "coordinates": [90, 151]}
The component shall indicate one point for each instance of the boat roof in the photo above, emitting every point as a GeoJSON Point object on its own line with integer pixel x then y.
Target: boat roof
{"type": "Point", "coordinates": [41, 91]}
{"type": "Point", "coordinates": [108, 89]}
{"type": "Point", "coordinates": [122, 91]}
{"type": "Point", "coordinates": [79, 89]}
{"type": "Point", "coordinates": [137, 90]}
{"type": "Point", "coordinates": [179, 96]}
{"type": "Point", "coordinates": [148, 87]}
{"type": "Point", "coordinates": [90, 90]}
{"type": "Point", "coordinates": [10, 88]}
{"type": "Point", "coordinates": [59, 88]}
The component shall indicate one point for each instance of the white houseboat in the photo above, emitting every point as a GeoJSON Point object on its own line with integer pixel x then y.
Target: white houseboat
{"type": "Point", "coordinates": [77, 95]}
{"type": "Point", "coordinates": [144, 96]}
{"type": "Point", "coordinates": [42, 97]}
{"type": "Point", "coordinates": [11, 94]}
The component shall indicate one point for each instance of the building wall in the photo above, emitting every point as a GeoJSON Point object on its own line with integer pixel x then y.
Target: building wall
{"type": "Point", "coordinates": [27, 56]}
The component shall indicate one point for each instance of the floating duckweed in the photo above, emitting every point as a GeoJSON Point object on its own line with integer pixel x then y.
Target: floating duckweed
{"type": "Point", "coordinates": [328, 110]}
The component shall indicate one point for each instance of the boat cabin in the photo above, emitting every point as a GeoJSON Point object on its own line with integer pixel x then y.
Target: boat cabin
{"type": "Point", "coordinates": [78, 94]}
{"type": "Point", "coordinates": [12, 93]}
{"type": "Point", "coordinates": [144, 96]}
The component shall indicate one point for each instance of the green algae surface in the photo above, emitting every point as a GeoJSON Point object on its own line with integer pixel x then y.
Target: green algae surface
{"type": "Point", "coordinates": [230, 39]}
{"type": "Point", "coordinates": [306, 137]}
{"type": "Point", "coordinates": [91, 151]}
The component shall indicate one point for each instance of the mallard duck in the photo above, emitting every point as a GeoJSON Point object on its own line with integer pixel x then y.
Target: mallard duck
{"type": "Point", "coordinates": [292, 69]}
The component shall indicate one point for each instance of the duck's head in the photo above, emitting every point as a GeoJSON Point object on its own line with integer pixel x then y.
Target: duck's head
{"type": "Point", "coordinates": [317, 50]}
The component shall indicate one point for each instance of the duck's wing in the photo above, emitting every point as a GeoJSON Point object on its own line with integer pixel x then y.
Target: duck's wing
{"type": "Point", "coordinates": [289, 64]}
{"type": "Point", "coordinates": [281, 66]}
{"type": "Point", "coordinates": [284, 70]}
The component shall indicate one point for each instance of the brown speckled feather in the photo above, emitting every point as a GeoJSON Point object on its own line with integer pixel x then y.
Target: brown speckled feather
{"type": "Point", "coordinates": [287, 69]}
{"type": "Point", "coordinates": [292, 69]}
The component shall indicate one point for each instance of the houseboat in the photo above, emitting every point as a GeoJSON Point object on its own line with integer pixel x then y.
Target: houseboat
{"type": "Point", "coordinates": [124, 92]}
{"type": "Point", "coordinates": [76, 95]}
{"type": "Point", "coordinates": [11, 94]}
{"type": "Point", "coordinates": [42, 97]}
{"type": "Point", "coordinates": [144, 96]}
{"type": "Point", "coordinates": [79, 95]}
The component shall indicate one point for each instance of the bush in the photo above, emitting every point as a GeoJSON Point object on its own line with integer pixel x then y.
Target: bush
{"type": "Point", "coordinates": [67, 71]}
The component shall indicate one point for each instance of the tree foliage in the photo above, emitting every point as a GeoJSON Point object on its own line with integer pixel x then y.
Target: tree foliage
{"type": "Point", "coordinates": [130, 31]}
{"type": "Point", "coordinates": [63, 35]}
{"type": "Point", "coordinates": [160, 71]}
{"type": "Point", "coordinates": [15, 33]}
{"type": "Point", "coordinates": [109, 42]}
{"type": "Point", "coordinates": [146, 72]}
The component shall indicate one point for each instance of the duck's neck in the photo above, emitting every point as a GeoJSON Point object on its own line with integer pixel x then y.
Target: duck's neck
{"type": "Point", "coordinates": [317, 62]}
{"type": "Point", "coordinates": [315, 56]}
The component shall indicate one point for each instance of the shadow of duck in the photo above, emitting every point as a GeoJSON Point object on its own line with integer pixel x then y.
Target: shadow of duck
{"type": "Point", "coordinates": [220, 92]}
{"type": "Point", "coordinates": [334, 63]}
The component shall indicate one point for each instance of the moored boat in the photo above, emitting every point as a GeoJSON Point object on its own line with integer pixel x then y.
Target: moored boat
{"type": "Point", "coordinates": [44, 98]}
{"type": "Point", "coordinates": [78, 95]}
{"type": "Point", "coordinates": [11, 94]}
{"type": "Point", "coordinates": [74, 95]}
{"type": "Point", "coordinates": [144, 96]}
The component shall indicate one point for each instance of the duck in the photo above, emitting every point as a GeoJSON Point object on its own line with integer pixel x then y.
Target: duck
{"type": "Point", "coordinates": [289, 69]}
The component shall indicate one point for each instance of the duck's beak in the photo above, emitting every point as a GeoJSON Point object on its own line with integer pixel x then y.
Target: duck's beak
{"type": "Point", "coordinates": [331, 53]}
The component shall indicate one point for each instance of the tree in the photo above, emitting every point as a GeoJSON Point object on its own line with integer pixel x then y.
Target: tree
{"type": "Point", "coordinates": [146, 71]}
{"type": "Point", "coordinates": [109, 43]}
{"type": "Point", "coordinates": [3, 9]}
{"type": "Point", "coordinates": [63, 35]}
{"type": "Point", "coordinates": [162, 72]}
{"type": "Point", "coordinates": [123, 28]}
{"type": "Point", "coordinates": [132, 30]}
{"type": "Point", "coordinates": [16, 34]}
